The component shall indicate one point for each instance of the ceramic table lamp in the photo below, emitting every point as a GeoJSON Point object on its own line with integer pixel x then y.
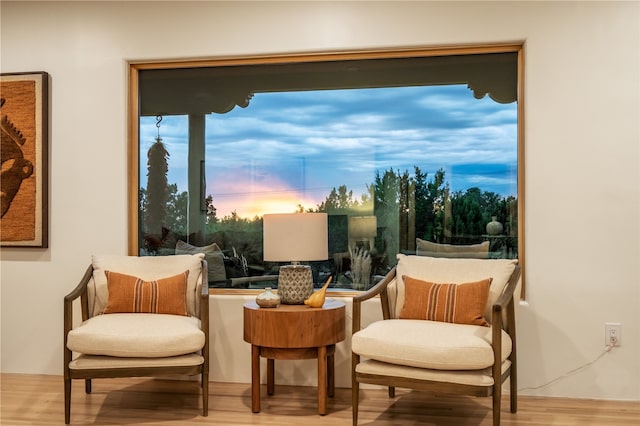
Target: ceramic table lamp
{"type": "Point", "coordinates": [295, 238]}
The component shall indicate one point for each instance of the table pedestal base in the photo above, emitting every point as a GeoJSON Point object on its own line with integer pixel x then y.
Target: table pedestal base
{"type": "Point", "coordinates": [294, 332]}
{"type": "Point", "coordinates": [326, 371]}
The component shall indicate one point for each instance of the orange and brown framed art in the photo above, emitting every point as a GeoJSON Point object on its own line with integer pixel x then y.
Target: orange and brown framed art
{"type": "Point", "coordinates": [24, 112]}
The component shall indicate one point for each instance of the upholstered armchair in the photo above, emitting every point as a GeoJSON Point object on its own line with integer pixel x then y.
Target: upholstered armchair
{"type": "Point", "coordinates": [141, 317]}
{"type": "Point", "coordinates": [448, 327]}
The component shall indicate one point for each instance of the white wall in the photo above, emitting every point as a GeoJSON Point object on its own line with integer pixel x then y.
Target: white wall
{"type": "Point", "coordinates": [582, 160]}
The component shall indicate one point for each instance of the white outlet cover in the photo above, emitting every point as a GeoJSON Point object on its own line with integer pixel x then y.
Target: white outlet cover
{"type": "Point", "coordinates": [615, 329]}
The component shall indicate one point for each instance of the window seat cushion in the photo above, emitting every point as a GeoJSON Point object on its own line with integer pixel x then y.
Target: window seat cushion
{"type": "Point", "coordinates": [472, 251]}
{"type": "Point", "coordinates": [428, 344]}
{"type": "Point", "coordinates": [137, 335]}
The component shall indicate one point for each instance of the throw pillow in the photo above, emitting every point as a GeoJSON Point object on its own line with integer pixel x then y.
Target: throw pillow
{"type": "Point", "coordinates": [212, 254]}
{"type": "Point", "coordinates": [471, 251]}
{"type": "Point", "coordinates": [456, 303]}
{"type": "Point", "coordinates": [132, 294]}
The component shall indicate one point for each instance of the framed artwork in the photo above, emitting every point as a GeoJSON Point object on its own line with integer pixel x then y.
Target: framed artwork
{"type": "Point", "coordinates": [24, 112]}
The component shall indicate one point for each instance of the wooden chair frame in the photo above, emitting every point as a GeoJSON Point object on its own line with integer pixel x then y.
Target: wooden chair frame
{"type": "Point", "coordinates": [88, 374]}
{"type": "Point", "coordinates": [504, 305]}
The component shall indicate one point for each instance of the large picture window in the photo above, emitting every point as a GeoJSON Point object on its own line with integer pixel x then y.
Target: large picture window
{"type": "Point", "coordinates": [408, 152]}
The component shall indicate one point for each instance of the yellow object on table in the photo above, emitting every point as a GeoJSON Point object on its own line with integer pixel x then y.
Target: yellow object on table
{"type": "Point", "coordinates": [316, 300]}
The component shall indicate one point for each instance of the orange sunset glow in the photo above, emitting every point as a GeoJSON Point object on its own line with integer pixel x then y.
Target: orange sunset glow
{"type": "Point", "coordinates": [253, 199]}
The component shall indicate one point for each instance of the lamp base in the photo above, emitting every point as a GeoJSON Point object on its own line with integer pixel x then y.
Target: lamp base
{"type": "Point", "coordinates": [295, 284]}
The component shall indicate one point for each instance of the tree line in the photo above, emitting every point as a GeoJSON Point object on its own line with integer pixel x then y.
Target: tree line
{"type": "Point", "coordinates": [406, 205]}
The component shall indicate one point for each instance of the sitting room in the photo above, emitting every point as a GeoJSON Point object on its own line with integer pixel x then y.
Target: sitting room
{"type": "Point", "coordinates": [460, 148]}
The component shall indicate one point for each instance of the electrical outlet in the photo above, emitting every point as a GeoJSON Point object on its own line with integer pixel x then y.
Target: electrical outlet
{"type": "Point", "coordinates": [612, 333]}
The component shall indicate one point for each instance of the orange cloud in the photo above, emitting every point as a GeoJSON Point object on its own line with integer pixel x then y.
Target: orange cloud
{"type": "Point", "coordinates": [250, 198]}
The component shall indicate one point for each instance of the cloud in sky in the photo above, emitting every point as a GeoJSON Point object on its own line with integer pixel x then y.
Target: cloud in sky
{"type": "Point", "coordinates": [292, 148]}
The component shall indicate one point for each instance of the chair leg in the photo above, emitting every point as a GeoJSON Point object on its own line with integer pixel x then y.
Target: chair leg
{"type": "Point", "coordinates": [497, 394]}
{"type": "Point", "coordinates": [513, 388]}
{"type": "Point", "coordinates": [355, 396]}
{"type": "Point", "coordinates": [67, 400]}
{"type": "Point", "coordinates": [205, 394]}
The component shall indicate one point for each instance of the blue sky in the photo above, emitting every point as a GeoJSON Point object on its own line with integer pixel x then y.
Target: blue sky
{"type": "Point", "coordinates": [292, 148]}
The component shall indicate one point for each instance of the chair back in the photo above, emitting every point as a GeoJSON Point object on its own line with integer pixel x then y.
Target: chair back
{"type": "Point", "coordinates": [147, 268]}
{"type": "Point", "coordinates": [446, 271]}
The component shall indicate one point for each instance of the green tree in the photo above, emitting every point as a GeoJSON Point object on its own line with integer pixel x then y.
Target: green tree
{"type": "Point", "coordinates": [339, 201]}
{"type": "Point", "coordinates": [406, 209]}
{"type": "Point", "coordinates": [430, 199]}
{"type": "Point", "coordinates": [472, 210]}
{"type": "Point", "coordinates": [241, 236]}
{"type": "Point", "coordinates": [177, 210]}
{"type": "Point", "coordinates": [212, 211]}
{"type": "Point", "coordinates": [386, 204]}
{"type": "Point", "coordinates": [142, 202]}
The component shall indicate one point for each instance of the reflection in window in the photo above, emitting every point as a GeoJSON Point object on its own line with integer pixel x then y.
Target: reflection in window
{"type": "Point", "coordinates": [421, 168]}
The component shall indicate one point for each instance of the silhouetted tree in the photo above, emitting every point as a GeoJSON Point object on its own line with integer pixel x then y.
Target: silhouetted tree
{"type": "Point", "coordinates": [339, 201]}
{"type": "Point", "coordinates": [212, 211]}
{"type": "Point", "coordinates": [386, 208]}
{"type": "Point", "coordinates": [177, 210]}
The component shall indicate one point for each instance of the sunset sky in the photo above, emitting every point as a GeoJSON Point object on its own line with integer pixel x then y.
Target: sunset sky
{"type": "Point", "coordinates": [292, 148]}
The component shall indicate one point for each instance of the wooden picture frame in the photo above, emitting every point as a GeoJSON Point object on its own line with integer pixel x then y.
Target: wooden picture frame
{"type": "Point", "coordinates": [24, 123]}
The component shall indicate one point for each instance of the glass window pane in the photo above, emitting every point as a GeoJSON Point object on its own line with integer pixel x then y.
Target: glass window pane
{"type": "Point", "coordinates": [428, 169]}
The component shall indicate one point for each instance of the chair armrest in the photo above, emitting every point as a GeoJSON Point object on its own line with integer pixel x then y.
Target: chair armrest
{"type": "Point", "coordinates": [79, 292]}
{"type": "Point", "coordinates": [203, 298]}
{"type": "Point", "coordinates": [204, 314]}
{"type": "Point", "coordinates": [204, 291]}
{"type": "Point", "coordinates": [505, 301]}
{"type": "Point", "coordinates": [378, 289]}
{"type": "Point", "coordinates": [81, 287]}
{"type": "Point", "coordinates": [507, 295]}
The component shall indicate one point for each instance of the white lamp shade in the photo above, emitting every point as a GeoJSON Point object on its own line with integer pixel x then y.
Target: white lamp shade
{"type": "Point", "coordinates": [295, 237]}
{"type": "Point", "coordinates": [363, 227]}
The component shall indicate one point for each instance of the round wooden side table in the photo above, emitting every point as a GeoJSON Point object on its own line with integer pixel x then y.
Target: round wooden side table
{"type": "Point", "coordinates": [294, 332]}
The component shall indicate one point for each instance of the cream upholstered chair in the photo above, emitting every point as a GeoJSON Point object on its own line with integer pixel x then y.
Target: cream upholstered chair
{"type": "Point", "coordinates": [442, 338]}
{"type": "Point", "coordinates": [141, 317]}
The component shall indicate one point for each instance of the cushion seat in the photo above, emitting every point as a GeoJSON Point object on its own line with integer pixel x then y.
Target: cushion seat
{"type": "Point", "coordinates": [134, 335]}
{"type": "Point", "coordinates": [462, 377]}
{"type": "Point", "coordinates": [429, 344]}
{"type": "Point", "coordinates": [97, 362]}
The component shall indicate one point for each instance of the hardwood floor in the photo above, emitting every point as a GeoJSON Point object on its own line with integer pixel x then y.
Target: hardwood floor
{"type": "Point", "coordinates": [39, 400]}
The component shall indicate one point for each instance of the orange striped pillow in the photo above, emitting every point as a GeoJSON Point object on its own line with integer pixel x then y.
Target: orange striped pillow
{"type": "Point", "coordinates": [457, 303]}
{"type": "Point", "coordinates": [132, 294]}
